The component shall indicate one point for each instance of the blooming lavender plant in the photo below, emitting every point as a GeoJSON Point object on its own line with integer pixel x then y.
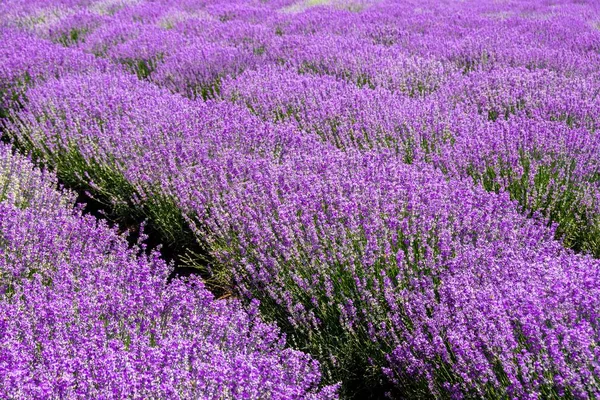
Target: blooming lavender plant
{"type": "Point", "coordinates": [549, 167]}
{"type": "Point", "coordinates": [83, 315]}
{"type": "Point", "coordinates": [105, 133]}
{"type": "Point", "coordinates": [141, 48]}
{"type": "Point", "coordinates": [73, 29]}
{"type": "Point", "coordinates": [25, 60]}
{"type": "Point", "coordinates": [362, 187]}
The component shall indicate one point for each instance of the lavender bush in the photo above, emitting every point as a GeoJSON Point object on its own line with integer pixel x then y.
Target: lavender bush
{"type": "Point", "coordinates": [26, 60]}
{"type": "Point", "coordinates": [343, 264]}
{"type": "Point", "coordinates": [83, 315]}
{"type": "Point", "coordinates": [542, 153]}
{"type": "Point", "coordinates": [410, 190]}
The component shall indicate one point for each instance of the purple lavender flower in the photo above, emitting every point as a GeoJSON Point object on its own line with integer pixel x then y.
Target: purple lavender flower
{"type": "Point", "coordinates": [387, 179]}
{"type": "Point", "coordinates": [83, 315]}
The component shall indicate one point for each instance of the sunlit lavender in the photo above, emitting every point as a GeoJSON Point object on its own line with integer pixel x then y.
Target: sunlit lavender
{"type": "Point", "coordinates": [299, 199]}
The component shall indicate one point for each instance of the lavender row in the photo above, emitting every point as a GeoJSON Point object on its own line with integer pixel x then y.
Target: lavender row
{"type": "Point", "coordinates": [197, 53]}
{"type": "Point", "coordinates": [126, 140]}
{"type": "Point", "coordinates": [370, 259]}
{"type": "Point", "coordinates": [539, 146]}
{"type": "Point", "coordinates": [369, 48]}
{"type": "Point", "coordinates": [83, 315]}
{"type": "Point", "coordinates": [361, 258]}
{"type": "Point", "coordinates": [27, 60]}
{"type": "Point", "coordinates": [364, 259]}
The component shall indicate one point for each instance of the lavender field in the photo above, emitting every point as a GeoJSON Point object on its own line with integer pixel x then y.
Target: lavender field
{"type": "Point", "coordinates": [300, 199]}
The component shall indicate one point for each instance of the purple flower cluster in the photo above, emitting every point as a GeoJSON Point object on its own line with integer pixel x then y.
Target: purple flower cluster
{"type": "Point", "coordinates": [411, 191]}
{"type": "Point", "coordinates": [498, 128]}
{"type": "Point", "coordinates": [84, 316]}
{"type": "Point", "coordinates": [26, 60]}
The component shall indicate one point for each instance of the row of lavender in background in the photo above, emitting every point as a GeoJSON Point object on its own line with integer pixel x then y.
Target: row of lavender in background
{"type": "Point", "coordinates": [339, 189]}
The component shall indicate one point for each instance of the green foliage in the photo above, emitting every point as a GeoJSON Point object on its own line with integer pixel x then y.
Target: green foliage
{"type": "Point", "coordinates": [72, 37]}
{"type": "Point", "coordinates": [549, 191]}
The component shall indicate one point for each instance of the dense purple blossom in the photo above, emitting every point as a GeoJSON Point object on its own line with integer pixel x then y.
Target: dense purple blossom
{"type": "Point", "coordinates": [389, 247]}
{"type": "Point", "coordinates": [25, 60]}
{"type": "Point", "coordinates": [83, 315]}
{"type": "Point", "coordinates": [312, 216]}
{"type": "Point", "coordinates": [410, 189]}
